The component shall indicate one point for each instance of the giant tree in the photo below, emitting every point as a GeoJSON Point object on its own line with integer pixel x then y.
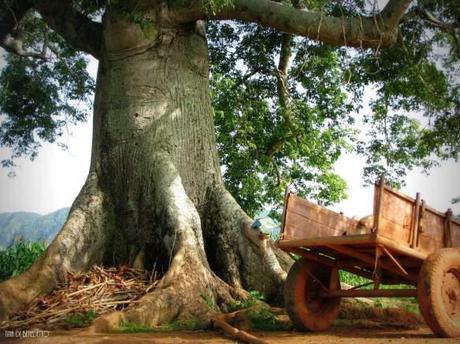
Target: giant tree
{"type": "Point", "coordinates": [155, 195]}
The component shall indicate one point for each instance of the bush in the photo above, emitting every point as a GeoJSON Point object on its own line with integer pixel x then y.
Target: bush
{"type": "Point", "coordinates": [19, 257]}
{"type": "Point", "coordinates": [80, 319]}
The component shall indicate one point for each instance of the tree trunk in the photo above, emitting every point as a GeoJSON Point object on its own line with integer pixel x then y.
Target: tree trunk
{"type": "Point", "coordinates": [154, 195]}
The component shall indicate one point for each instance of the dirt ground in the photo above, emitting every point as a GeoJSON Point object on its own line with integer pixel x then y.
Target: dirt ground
{"type": "Point", "coordinates": [338, 335]}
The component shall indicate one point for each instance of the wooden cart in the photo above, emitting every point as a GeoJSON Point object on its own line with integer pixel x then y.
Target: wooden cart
{"type": "Point", "coordinates": [407, 242]}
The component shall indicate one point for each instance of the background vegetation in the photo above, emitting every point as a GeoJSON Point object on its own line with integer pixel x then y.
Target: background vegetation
{"type": "Point", "coordinates": [19, 257]}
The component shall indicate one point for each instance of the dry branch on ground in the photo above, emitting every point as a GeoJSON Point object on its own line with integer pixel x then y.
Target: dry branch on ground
{"type": "Point", "coordinates": [100, 290]}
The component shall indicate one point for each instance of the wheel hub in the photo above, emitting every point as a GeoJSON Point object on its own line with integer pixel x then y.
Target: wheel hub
{"type": "Point", "coordinates": [451, 293]}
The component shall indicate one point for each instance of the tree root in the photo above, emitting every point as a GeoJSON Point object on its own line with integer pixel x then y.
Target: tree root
{"type": "Point", "coordinates": [245, 256]}
{"type": "Point", "coordinates": [226, 322]}
{"type": "Point", "coordinates": [189, 294]}
{"type": "Point", "coordinates": [223, 322]}
{"type": "Point", "coordinates": [78, 246]}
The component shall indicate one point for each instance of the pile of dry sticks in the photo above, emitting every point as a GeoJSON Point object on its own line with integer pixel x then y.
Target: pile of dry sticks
{"type": "Point", "coordinates": [98, 291]}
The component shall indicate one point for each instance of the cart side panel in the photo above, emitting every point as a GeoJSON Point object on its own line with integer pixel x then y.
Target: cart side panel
{"type": "Point", "coordinates": [396, 215]}
{"type": "Point", "coordinates": [304, 219]}
{"type": "Point", "coordinates": [456, 234]}
{"type": "Point", "coordinates": [431, 235]}
{"type": "Point", "coordinates": [396, 221]}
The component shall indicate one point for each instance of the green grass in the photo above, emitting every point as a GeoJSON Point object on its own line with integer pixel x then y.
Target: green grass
{"type": "Point", "coordinates": [80, 319]}
{"type": "Point", "coordinates": [260, 314]}
{"type": "Point", "coordinates": [209, 300]}
{"type": "Point", "coordinates": [263, 319]}
{"type": "Point", "coordinates": [132, 327]}
{"type": "Point", "coordinates": [254, 298]}
{"type": "Point", "coordinates": [18, 258]}
{"type": "Point", "coordinates": [408, 303]}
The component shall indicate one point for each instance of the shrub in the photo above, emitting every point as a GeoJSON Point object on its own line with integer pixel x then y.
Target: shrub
{"type": "Point", "coordinates": [19, 257]}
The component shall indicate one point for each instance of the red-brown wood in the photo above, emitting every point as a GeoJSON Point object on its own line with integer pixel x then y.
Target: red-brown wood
{"type": "Point", "coordinates": [304, 219]}
{"type": "Point", "coordinates": [408, 230]}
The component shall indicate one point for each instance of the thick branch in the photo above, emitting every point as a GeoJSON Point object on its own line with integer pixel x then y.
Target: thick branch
{"type": "Point", "coordinates": [78, 30]}
{"type": "Point", "coordinates": [367, 32]}
{"type": "Point", "coordinates": [13, 44]}
{"type": "Point", "coordinates": [11, 13]}
{"type": "Point", "coordinates": [283, 96]}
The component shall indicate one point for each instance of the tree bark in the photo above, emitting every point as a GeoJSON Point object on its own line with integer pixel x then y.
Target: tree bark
{"type": "Point", "coordinates": [155, 195]}
{"type": "Point", "coordinates": [375, 31]}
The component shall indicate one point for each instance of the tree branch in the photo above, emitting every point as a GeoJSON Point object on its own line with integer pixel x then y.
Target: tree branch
{"type": "Point", "coordinates": [77, 29]}
{"type": "Point", "coordinates": [367, 32]}
{"type": "Point", "coordinates": [11, 13]}
{"type": "Point", "coordinates": [13, 44]}
{"type": "Point", "coordinates": [451, 29]}
{"type": "Point", "coordinates": [283, 92]}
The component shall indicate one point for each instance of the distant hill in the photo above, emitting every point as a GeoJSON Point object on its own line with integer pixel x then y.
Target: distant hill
{"type": "Point", "coordinates": [30, 226]}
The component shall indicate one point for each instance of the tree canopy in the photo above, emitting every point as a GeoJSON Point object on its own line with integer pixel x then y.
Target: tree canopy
{"type": "Point", "coordinates": [287, 81]}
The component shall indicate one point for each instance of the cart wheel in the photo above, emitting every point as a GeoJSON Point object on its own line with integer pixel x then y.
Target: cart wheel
{"type": "Point", "coordinates": [438, 290]}
{"type": "Point", "coordinates": [301, 296]}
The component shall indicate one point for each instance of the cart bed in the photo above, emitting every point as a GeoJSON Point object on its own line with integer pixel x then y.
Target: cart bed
{"type": "Point", "coordinates": [403, 231]}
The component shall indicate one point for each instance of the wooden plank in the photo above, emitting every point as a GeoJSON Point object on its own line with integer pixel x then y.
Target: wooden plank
{"type": "Point", "coordinates": [448, 229]}
{"type": "Point", "coordinates": [370, 293]}
{"type": "Point", "coordinates": [421, 223]}
{"type": "Point", "coordinates": [398, 194]}
{"type": "Point", "coordinates": [329, 262]}
{"type": "Point", "coordinates": [455, 234]}
{"type": "Point", "coordinates": [315, 257]}
{"type": "Point", "coordinates": [368, 259]}
{"type": "Point", "coordinates": [406, 262]}
{"type": "Point", "coordinates": [393, 259]}
{"type": "Point", "coordinates": [299, 227]}
{"type": "Point", "coordinates": [415, 222]}
{"type": "Point", "coordinates": [397, 232]}
{"type": "Point", "coordinates": [401, 249]}
{"type": "Point", "coordinates": [396, 218]}
{"type": "Point", "coordinates": [287, 195]}
{"type": "Point", "coordinates": [363, 239]}
{"type": "Point", "coordinates": [358, 272]}
{"type": "Point", "coordinates": [305, 219]}
{"type": "Point", "coordinates": [432, 236]}
{"type": "Point", "coordinates": [379, 191]}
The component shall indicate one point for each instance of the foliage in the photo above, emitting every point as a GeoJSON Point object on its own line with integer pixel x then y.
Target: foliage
{"type": "Point", "coordinates": [408, 303]}
{"type": "Point", "coordinates": [263, 319]}
{"type": "Point", "coordinates": [414, 119]}
{"type": "Point", "coordinates": [209, 300]}
{"type": "Point", "coordinates": [39, 98]}
{"type": "Point", "coordinates": [214, 5]}
{"type": "Point", "coordinates": [259, 313]}
{"type": "Point", "coordinates": [262, 148]}
{"type": "Point", "coordinates": [132, 327]}
{"type": "Point", "coordinates": [352, 279]}
{"type": "Point", "coordinates": [18, 258]}
{"type": "Point", "coordinates": [255, 297]}
{"type": "Point", "coordinates": [80, 319]}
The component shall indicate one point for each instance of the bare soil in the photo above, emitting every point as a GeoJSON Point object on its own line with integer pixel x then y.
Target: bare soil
{"type": "Point", "coordinates": [355, 334]}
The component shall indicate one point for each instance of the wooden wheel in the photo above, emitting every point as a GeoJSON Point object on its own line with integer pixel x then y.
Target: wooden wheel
{"type": "Point", "coordinates": [306, 309]}
{"type": "Point", "coordinates": [438, 292]}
